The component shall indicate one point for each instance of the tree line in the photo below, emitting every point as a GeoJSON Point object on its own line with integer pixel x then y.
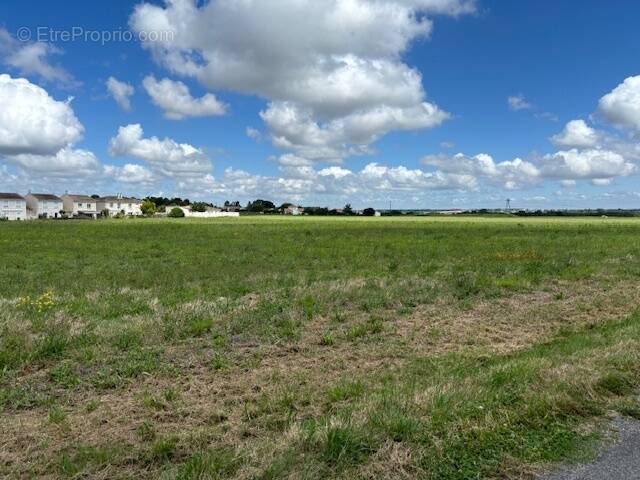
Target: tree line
{"type": "Point", "coordinates": [152, 205]}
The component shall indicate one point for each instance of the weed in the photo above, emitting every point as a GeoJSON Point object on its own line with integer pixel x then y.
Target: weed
{"type": "Point", "coordinates": [57, 415]}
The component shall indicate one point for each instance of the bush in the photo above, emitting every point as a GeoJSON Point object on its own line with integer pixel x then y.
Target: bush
{"type": "Point", "coordinates": [368, 212]}
{"type": "Point", "coordinates": [176, 213]}
{"type": "Point", "coordinates": [148, 208]}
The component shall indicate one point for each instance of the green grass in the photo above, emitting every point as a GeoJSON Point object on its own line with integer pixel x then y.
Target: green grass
{"type": "Point", "coordinates": [314, 347]}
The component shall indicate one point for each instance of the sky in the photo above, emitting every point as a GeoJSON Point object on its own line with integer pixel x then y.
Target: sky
{"type": "Point", "coordinates": [409, 103]}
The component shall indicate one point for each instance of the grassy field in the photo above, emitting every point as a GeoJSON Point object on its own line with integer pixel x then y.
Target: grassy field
{"type": "Point", "coordinates": [313, 348]}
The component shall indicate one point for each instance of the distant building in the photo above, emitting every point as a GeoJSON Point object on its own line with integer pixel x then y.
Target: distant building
{"type": "Point", "coordinates": [13, 206]}
{"type": "Point", "coordinates": [119, 204]}
{"type": "Point", "coordinates": [232, 207]}
{"type": "Point", "coordinates": [79, 206]}
{"type": "Point", "coordinates": [211, 212]}
{"type": "Point", "coordinates": [43, 205]}
{"type": "Point", "coordinates": [293, 210]}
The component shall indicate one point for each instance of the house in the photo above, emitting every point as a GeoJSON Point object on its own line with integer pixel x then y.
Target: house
{"type": "Point", "coordinates": [43, 205]}
{"type": "Point", "coordinates": [119, 204]}
{"type": "Point", "coordinates": [293, 210]}
{"type": "Point", "coordinates": [79, 206]}
{"type": "Point", "coordinates": [211, 212]}
{"type": "Point", "coordinates": [13, 206]}
{"type": "Point", "coordinates": [232, 206]}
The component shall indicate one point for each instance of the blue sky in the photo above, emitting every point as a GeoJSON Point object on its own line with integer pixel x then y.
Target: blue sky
{"type": "Point", "coordinates": [434, 128]}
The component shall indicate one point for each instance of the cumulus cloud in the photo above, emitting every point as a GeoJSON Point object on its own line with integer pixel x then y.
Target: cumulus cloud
{"type": "Point", "coordinates": [121, 92]}
{"type": "Point", "coordinates": [66, 162]}
{"type": "Point", "coordinates": [333, 65]}
{"type": "Point", "coordinates": [577, 134]}
{"type": "Point", "coordinates": [38, 136]}
{"type": "Point", "coordinates": [381, 177]}
{"type": "Point", "coordinates": [293, 128]}
{"type": "Point", "coordinates": [176, 100]}
{"type": "Point", "coordinates": [621, 106]}
{"type": "Point", "coordinates": [566, 166]}
{"type": "Point", "coordinates": [335, 172]}
{"type": "Point", "coordinates": [32, 58]}
{"type": "Point", "coordinates": [585, 164]}
{"type": "Point", "coordinates": [131, 173]}
{"type": "Point", "coordinates": [518, 102]}
{"type": "Point", "coordinates": [302, 182]}
{"type": "Point", "coordinates": [509, 174]}
{"type": "Point", "coordinates": [602, 182]}
{"type": "Point", "coordinates": [32, 122]}
{"type": "Point", "coordinates": [165, 156]}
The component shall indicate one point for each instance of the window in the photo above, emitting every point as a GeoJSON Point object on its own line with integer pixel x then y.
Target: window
{"type": "Point", "coordinates": [88, 206]}
{"type": "Point", "coordinates": [79, 205]}
{"type": "Point", "coordinates": [130, 205]}
{"type": "Point", "coordinates": [111, 204]}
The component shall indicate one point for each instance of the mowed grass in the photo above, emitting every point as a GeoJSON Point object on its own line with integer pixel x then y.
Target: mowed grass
{"type": "Point", "coordinates": [313, 347]}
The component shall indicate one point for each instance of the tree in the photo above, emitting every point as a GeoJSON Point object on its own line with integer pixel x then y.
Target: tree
{"type": "Point", "coordinates": [176, 213]}
{"type": "Point", "coordinates": [368, 212]}
{"type": "Point", "coordinates": [260, 206]}
{"type": "Point", "coordinates": [199, 207]}
{"type": "Point", "coordinates": [148, 208]}
{"type": "Point", "coordinates": [347, 209]}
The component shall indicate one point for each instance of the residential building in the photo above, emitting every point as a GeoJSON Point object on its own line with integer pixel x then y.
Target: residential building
{"type": "Point", "coordinates": [79, 206]}
{"type": "Point", "coordinates": [43, 205]}
{"type": "Point", "coordinates": [119, 204]}
{"type": "Point", "coordinates": [293, 210]}
{"type": "Point", "coordinates": [211, 212]}
{"type": "Point", "coordinates": [232, 206]}
{"type": "Point", "coordinates": [13, 206]}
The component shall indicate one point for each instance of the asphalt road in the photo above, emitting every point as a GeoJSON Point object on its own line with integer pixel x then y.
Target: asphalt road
{"type": "Point", "coordinates": [617, 461]}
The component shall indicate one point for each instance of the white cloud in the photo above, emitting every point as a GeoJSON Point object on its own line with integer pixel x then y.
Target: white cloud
{"type": "Point", "coordinates": [31, 122]}
{"type": "Point", "coordinates": [176, 100]}
{"type": "Point", "coordinates": [510, 174]}
{"type": "Point", "coordinates": [602, 182]}
{"type": "Point", "coordinates": [290, 160]}
{"type": "Point", "coordinates": [518, 102]}
{"type": "Point", "coordinates": [120, 91]}
{"type": "Point", "coordinates": [165, 156]}
{"type": "Point", "coordinates": [331, 70]}
{"type": "Point", "coordinates": [304, 183]}
{"type": "Point", "coordinates": [621, 106]}
{"type": "Point", "coordinates": [588, 164]}
{"type": "Point", "coordinates": [295, 129]}
{"type": "Point", "coordinates": [32, 58]}
{"type": "Point", "coordinates": [578, 134]}
{"type": "Point", "coordinates": [65, 163]}
{"type": "Point", "coordinates": [335, 172]}
{"type": "Point", "coordinates": [565, 165]}
{"type": "Point", "coordinates": [131, 173]}
{"type": "Point", "coordinates": [381, 177]}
